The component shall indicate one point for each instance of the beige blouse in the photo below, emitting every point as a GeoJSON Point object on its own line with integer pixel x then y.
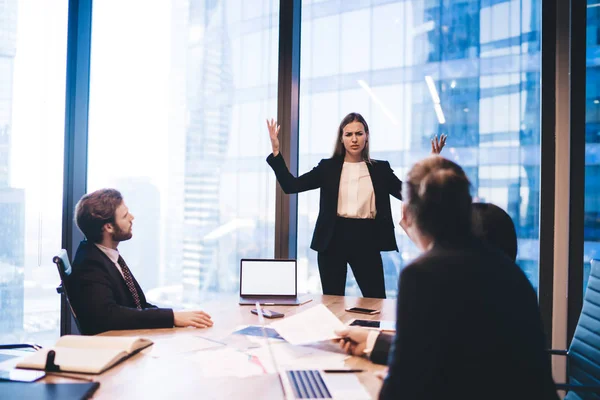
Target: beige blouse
{"type": "Point", "coordinates": [356, 197]}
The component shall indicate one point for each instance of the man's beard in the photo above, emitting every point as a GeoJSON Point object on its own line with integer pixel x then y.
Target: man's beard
{"type": "Point", "coordinates": [120, 235]}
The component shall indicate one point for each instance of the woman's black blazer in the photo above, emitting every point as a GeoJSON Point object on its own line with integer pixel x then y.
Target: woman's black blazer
{"type": "Point", "coordinates": [326, 176]}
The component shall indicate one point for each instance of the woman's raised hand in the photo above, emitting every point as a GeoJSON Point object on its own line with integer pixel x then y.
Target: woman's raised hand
{"type": "Point", "coordinates": [273, 134]}
{"type": "Point", "coordinates": [438, 144]}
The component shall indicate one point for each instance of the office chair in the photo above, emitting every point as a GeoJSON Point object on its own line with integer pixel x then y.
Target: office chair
{"type": "Point", "coordinates": [64, 270]}
{"type": "Point", "coordinates": [583, 356]}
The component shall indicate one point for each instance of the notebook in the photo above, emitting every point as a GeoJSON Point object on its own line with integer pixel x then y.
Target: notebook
{"type": "Point", "coordinates": [87, 354]}
{"type": "Point", "coordinates": [269, 282]}
{"type": "Point", "coordinates": [47, 391]}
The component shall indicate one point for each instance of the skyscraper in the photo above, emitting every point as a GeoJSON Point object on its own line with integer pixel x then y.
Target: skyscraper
{"type": "Point", "coordinates": [209, 99]}
{"type": "Point", "coordinates": [8, 48]}
{"type": "Point", "coordinates": [415, 69]}
{"type": "Point", "coordinates": [489, 87]}
{"type": "Point", "coordinates": [143, 251]}
{"type": "Point", "coordinates": [12, 200]}
{"type": "Point", "coordinates": [592, 139]}
{"type": "Point", "coordinates": [172, 232]}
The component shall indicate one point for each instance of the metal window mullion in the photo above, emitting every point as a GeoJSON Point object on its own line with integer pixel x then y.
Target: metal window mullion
{"type": "Point", "coordinates": [547, 163]}
{"type": "Point", "coordinates": [288, 93]}
{"type": "Point", "coordinates": [577, 74]}
{"type": "Point", "coordinates": [562, 191]}
{"type": "Point", "coordinates": [76, 130]}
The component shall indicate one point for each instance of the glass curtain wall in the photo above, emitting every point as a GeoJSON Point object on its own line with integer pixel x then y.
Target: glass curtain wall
{"type": "Point", "coordinates": [592, 139]}
{"type": "Point", "coordinates": [33, 52]}
{"type": "Point", "coordinates": [177, 124]}
{"type": "Point", "coordinates": [414, 69]}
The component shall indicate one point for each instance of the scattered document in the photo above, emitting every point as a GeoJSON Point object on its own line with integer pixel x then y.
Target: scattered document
{"type": "Point", "coordinates": [313, 325]}
{"type": "Point", "coordinates": [299, 357]}
{"type": "Point", "coordinates": [181, 344]}
{"type": "Point", "coordinates": [255, 330]}
{"type": "Point", "coordinates": [227, 362]}
{"type": "Point", "coordinates": [347, 387]}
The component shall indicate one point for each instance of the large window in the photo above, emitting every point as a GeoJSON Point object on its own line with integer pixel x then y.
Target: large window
{"type": "Point", "coordinates": [592, 139]}
{"type": "Point", "coordinates": [414, 69]}
{"type": "Point", "coordinates": [33, 42]}
{"type": "Point", "coordinates": [178, 99]}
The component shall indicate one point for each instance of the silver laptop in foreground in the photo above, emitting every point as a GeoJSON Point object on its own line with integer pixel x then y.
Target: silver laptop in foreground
{"type": "Point", "coordinates": [269, 282]}
{"type": "Point", "coordinates": [313, 384]}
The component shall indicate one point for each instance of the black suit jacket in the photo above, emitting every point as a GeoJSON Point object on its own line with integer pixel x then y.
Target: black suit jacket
{"type": "Point", "coordinates": [101, 299]}
{"type": "Point", "coordinates": [468, 327]}
{"type": "Point", "coordinates": [326, 176]}
{"type": "Point", "coordinates": [381, 349]}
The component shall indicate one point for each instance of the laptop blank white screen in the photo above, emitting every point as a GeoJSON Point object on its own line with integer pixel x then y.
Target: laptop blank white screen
{"type": "Point", "coordinates": [261, 277]}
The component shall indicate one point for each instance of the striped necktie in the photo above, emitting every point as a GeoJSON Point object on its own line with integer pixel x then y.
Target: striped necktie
{"type": "Point", "coordinates": [129, 282]}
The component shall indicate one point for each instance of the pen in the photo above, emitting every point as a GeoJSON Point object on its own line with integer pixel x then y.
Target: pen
{"type": "Point", "coordinates": [342, 371]}
{"type": "Point", "coordinates": [269, 304]}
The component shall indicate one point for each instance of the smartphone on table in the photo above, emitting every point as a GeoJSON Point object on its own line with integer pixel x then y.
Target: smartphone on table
{"type": "Point", "coordinates": [361, 310]}
{"type": "Point", "coordinates": [388, 326]}
{"type": "Point", "coordinates": [268, 313]}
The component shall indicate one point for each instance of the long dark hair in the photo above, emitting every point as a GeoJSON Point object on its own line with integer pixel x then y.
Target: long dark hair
{"type": "Point", "coordinates": [340, 150]}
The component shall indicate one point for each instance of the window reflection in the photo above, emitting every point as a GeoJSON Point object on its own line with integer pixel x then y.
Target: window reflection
{"type": "Point", "coordinates": [33, 40]}
{"type": "Point", "coordinates": [181, 115]}
{"type": "Point", "coordinates": [415, 69]}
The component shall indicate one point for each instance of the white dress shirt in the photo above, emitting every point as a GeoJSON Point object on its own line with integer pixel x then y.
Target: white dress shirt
{"type": "Point", "coordinates": [356, 197]}
{"type": "Point", "coordinates": [113, 255]}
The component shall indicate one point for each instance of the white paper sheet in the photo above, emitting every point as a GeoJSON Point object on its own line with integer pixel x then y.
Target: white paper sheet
{"type": "Point", "coordinates": [313, 325]}
{"type": "Point", "coordinates": [346, 386]}
{"type": "Point", "coordinates": [180, 344]}
{"type": "Point", "coordinates": [227, 362]}
{"type": "Point", "coordinates": [298, 357]}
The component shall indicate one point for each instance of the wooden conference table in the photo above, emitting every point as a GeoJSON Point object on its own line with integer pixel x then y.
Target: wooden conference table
{"type": "Point", "coordinates": [176, 377]}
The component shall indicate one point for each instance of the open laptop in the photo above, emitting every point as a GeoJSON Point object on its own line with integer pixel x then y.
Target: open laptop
{"type": "Point", "coordinates": [269, 282]}
{"type": "Point", "coordinates": [313, 384]}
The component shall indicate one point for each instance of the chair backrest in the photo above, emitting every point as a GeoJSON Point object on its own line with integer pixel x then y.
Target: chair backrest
{"type": "Point", "coordinates": [63, 264]}
{"type": "Point", "coordinates": [584, 353]}
{"type": "Point", "coordinates": [64, 270]}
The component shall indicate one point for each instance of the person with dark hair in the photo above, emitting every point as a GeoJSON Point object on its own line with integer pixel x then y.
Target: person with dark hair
{"type": "Point", "coordinates": [102, 289]}
{"type": "Point", "coordinates": [468, 324]}
{"type": "Point", "coordinates": [355, 218]}
{"type": "Point", "coordinates": [489, 223]}
{"type": "Point", "coordinates": [495, 227]}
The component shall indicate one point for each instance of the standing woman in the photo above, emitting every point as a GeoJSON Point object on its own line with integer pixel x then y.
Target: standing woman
{"type": "Point", "coordinates": [355, 219]}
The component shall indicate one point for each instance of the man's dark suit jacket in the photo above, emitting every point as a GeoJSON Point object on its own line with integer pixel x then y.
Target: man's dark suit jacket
{"type": "Point", "coordinates": [468, 327]}
{"type": "Point", "coordinates": [101, 299]}
{"type": "Point", "coordinates": [326, 176]}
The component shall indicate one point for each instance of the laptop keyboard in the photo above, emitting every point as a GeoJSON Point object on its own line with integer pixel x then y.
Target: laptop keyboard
{"type": "Point", "coordinates": [308, 384]}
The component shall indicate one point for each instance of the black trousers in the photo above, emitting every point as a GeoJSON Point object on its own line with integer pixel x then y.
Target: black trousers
{"type": "Point", "coordinates": [353, 243]}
